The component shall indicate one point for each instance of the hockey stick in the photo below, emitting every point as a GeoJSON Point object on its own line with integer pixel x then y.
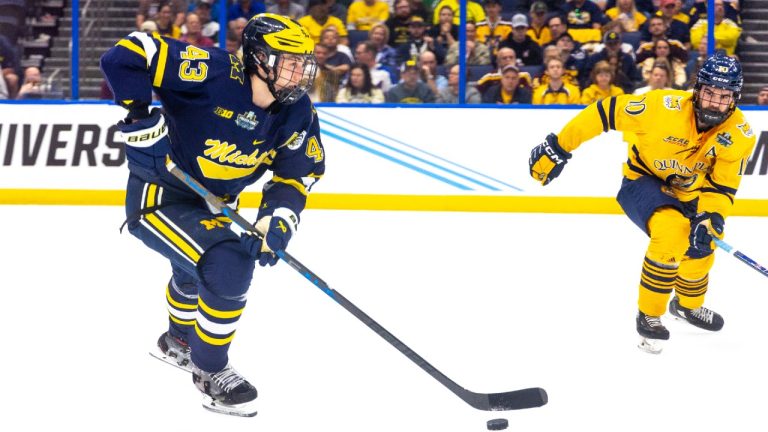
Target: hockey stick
{"type": "Point", "coordinates": [511, 400]}
{"type": "Point", "coordinates": [740, 256]}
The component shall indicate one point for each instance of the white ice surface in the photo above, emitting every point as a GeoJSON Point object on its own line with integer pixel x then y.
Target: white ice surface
{"type": "Point", "coordinates": [495, 301]}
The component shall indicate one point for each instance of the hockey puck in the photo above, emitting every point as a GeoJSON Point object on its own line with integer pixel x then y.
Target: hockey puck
{"type": "Point", "coordinates": [497, 424]}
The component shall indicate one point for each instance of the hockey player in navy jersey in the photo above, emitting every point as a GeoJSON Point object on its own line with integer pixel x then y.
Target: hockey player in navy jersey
{"type": "Point", "coordinates": [226, 122]}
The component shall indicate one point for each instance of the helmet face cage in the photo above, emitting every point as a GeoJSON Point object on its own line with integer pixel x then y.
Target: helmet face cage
{"type": "Point", "coordinates": [280, 52]}
{"type": "Point", "coordinates": [723, 72]}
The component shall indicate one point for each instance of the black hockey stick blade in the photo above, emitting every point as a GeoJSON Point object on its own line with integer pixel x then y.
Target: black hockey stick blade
{"type": "Point", "coordinates": [513, 400]}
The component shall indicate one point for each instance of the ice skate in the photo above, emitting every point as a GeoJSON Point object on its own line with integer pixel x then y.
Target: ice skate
{"type": "Point", "coordinates": [700, 317]}
{"type": "Point", "coordinates": [652, 333]}
{"type": "Point", "coordinates": [226, 391]}
{"type": "Point", "coordinates": [173, 351]}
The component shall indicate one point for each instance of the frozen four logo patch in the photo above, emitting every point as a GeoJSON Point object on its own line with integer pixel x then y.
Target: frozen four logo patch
{"type": "Point", "coordinates": [724, 139]}
{"type": "Point", "coordinates": [247, 120]}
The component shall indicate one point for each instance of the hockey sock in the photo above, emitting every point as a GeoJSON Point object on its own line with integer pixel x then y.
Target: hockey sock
{"type": "Point", "coordinates": [656, 284]}
{"type": "Point", "coordinates": [182, 305]}
{"type": "Point", "coordinates": [691, 292]}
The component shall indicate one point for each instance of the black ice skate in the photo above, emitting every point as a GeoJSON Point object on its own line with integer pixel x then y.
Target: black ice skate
{"type": "Point", "coordinates": [173, 351]}
{"type": "Point", "coordinates": [700, 317]}
{"type": "Point", "coordinates": [226, 391]}
{"type": "Point", "coordinates": [652, 333]}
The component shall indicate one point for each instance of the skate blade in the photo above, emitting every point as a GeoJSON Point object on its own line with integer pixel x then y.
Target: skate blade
{"type": "Point", "coordinates": [170, 360]}
{"type": "Point", "coordinates": [651, 346]}
{"type": "Point", "coordinates": [247, 409]}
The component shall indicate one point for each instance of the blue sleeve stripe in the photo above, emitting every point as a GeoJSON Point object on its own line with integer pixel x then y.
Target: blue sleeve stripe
{"type": "Point", "coordinates": [603, 117]}
{"type": "Point", "coordinates": [612, 114]}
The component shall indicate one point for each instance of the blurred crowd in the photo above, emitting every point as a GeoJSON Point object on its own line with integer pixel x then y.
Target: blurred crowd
{"type": "Point", "coordinates": [517, 51]}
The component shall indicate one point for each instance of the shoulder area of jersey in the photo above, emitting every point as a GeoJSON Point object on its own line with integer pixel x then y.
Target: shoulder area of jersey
{"type": "Point", "coordinates": [737, 124]}
{"type": "Point", "coordinates": [671, 99]}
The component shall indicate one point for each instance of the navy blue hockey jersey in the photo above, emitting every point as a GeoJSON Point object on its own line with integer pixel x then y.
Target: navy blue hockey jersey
{"type": "Point", "coordinates": [217, 134]}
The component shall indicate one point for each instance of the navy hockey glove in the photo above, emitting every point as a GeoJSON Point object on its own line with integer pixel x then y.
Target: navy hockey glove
{"type": "Point", "coordinates": [146, 140]}
{"type": "Point", "coordinates": [547, 160]}
{"type": "Point", "coordinates": [277, 229]}
{"type": "Point", "coordinates": [703, 225]}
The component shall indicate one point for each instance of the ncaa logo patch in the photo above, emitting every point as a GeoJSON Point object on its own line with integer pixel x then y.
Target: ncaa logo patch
{"type": "Point", "coordinates": [724, 139]}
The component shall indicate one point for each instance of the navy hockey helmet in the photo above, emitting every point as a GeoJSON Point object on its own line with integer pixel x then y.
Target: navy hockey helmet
{"type": "Point", "coordinates": [719, 71]}
{"type": "Point", "coordinates": [281, 53]}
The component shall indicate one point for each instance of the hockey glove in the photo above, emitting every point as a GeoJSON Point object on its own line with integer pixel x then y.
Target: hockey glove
{"type": "Point", "coordinates": [703, 226]}
{"type": "Point", "coordinates": [146, 140]}
{"type": "Point", "coordinates": [277, 231]}
{"type": "Point", "coordinates": [547, 160]}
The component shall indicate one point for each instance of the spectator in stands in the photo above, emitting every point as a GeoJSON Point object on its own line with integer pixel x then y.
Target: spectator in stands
{"type": "Point", "coordinates": [210, 28]}
{"type": "Point", "coordinates": [762, 96]}
{"type": "Point", "coordinates": [148, 9]}
{"type": "Point", "coordinates": [574, 60]}
{"type": "Point", "coordinates": [673, 29]}
{"type": "Point", "coordinates": [326, 85]}
{"type": "Point", "coordinates": [477, 53]}
{"type": "Point", "coordinates": [699, 11]}
{"type": "Point", "coordinates": [612, 26]}
{"type": "Point", "coordinates": [445, 33]}
{"type": "Point", "coordinates": [557, 26]}
{"type": "Point", "coordinates": [626, 14]}
{"type": "Point", "coordinates": [583, 14]}
{"type": "Point", "coordinates": [398, 23]}
{"type": "Point", "coordinates": [538, 30]}
{"type": "Point", "coordinates": [660, 78]}
{"type": "Point", "coordinates": [493, 29]}
{"type": "Point", "coordinates": [627, 73]}
{"type": "Point", "coordinates": [386, 56]}
{"type": "Point", "coordinates": [360, 88]}
{"type": "Point", "coordinates": [410, 89]}
{"type": "Point", "coordinates": [9, 65]}
{"type": "Point", "coordinates": [330, 38]}
{"type": "Point", "coordinates": [505, 56]}
{"type": "Point", "coordinates": [509, 89]}
{"type": "Point", "coordinates": [318, 19]}
{"type": "Point", "coordinates": [602, 84]}
{"type": "Point", "coordinates": [727, 32]}
{"type": "Point", "coordinates": [475, 12]}
{"type": "Point", "coordinates": [335, 61]}
{"type": "Point", "coordinates": [165, 24]}
{"type": "Point", "coordinates": [418, 42]}
{"type": "Point", "coordinates": [233, 42]}
{"type": "Point", "coordinates": [422, 8]}
{"type": "Point", "coordinates": [528, 51]}
{"type": "Point", "coordinates": [365, 53]}
{"type": "Point", "coordinates": [33, 84]}
{"type": "Point", "coordinates": [337, 9]}
{"type": "Point", "coordinates": [429, 75]}
{"type": "Point", "coordinates": [194, 34]}
{"type": "Point", "coordinates": [672, 10]}
{"type": "Point", "coordinates": [149, 27]}
{"type": "Point", "coordinates": [245, 9]}
{"type": "Point", "coordinates": [556, 91]}
{"type": "Point", "coordinates": [655, 29]}
{"type": "Point", "coordinates": [450, 94]}
{"type": "Point", "coordinates": [363, 14]}
{"type": "Point", "coordinates": [662, 51]}
{"type": "Point", "coordinates": [237, 26]}
{"type": "Point", "coordinates": [287, 8]}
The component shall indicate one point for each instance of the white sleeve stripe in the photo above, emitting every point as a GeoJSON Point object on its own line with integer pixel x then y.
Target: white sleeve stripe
{"type": "Point", "coordinates": [149, 47]}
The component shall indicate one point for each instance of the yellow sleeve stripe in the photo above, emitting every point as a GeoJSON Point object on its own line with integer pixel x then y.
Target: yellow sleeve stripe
{"type": "Point", "coordinates": [125, 43]}
{"type": "Point", "coordinates": [290, 182]}
{"type": "Point", "coordinates": [213, 341]}
{"type": "Point", "coordinates": [161, 60]}
{"type": "Point", "coordinates": [217, 313]}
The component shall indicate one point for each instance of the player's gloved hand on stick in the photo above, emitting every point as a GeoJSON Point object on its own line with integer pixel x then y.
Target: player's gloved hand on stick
{"type": "Point", "coordinates": [703, 226]}
{"type": "Point", "coordinates": [146, 137]}
{"type": "Point", "coordinates": [547, 160]}
{"type": "Point", "coordinates": [277, 231]}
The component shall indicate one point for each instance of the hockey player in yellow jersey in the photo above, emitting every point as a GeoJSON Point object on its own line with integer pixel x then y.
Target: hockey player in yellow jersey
{"type": "Point", "coordinates": [687, 153]}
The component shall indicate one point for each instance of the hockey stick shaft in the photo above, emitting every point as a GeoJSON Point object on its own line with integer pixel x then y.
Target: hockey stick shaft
{"type": "Point", "coordinates": [516, 399]}
{"type": "Point", "coordinates": [740, 256]}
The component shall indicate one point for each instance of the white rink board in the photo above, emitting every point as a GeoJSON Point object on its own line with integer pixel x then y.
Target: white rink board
{"type": "Point", "coordinates": [419, 151]}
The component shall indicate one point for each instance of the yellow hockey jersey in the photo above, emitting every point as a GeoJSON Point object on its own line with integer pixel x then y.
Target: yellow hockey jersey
{"type": "Point", "coordinates": [663, 141]}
